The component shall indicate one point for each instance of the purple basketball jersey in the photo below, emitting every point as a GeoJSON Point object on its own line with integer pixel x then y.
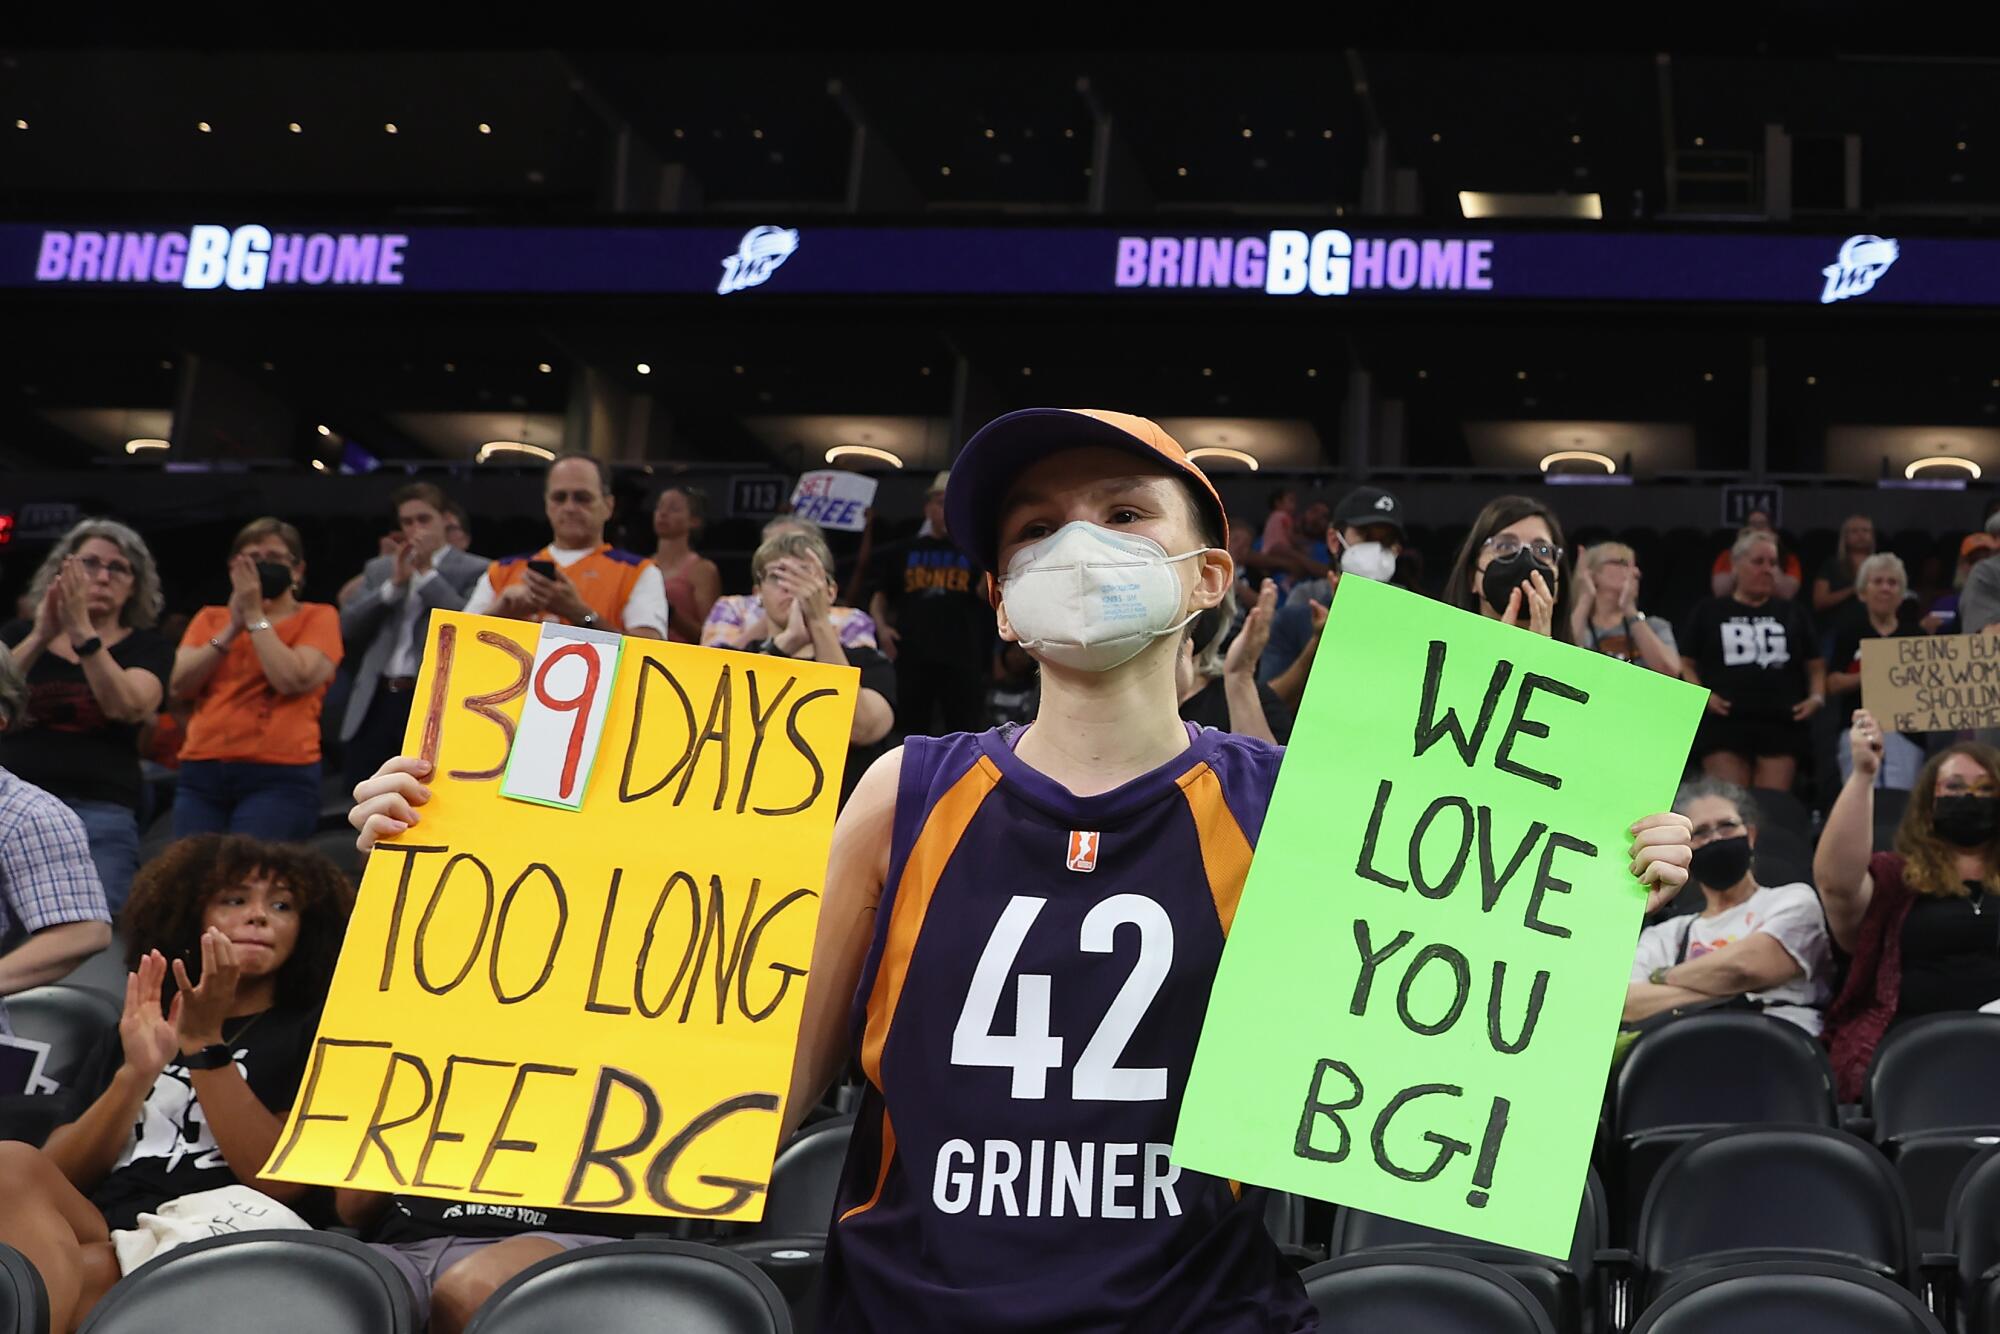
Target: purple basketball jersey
{"type": "Point", "coordinates": [1026, 1019]}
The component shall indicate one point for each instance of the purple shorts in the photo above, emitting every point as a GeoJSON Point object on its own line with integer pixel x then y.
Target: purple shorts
{"type": "Point", "coordinates": [423, 1262]}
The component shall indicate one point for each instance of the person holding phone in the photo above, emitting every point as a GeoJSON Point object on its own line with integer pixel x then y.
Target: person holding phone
{"type": "Point", "coordinates": [578, 578]}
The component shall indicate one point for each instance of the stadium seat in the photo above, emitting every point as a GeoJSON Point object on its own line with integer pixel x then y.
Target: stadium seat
{"type": "Point", "coordinates": [1285, 1220]}
{"type": "Point", "coordinates": [1970, 1265]}
{"type": "Point", "coordinates": [789, 1243]}
{"type": "Point", "coordinates": [297, 1282]}
{"type": "Point", "coordinates": [1564, 1288]}
{"type": "Point", "coordinates": [1696, 1074]}
{"type": "Point", "coordinates": [1428, 1292]}
{"type": "Point", "coordinates": [804, 1180]}
{"type": "Point", "coordinates": [24, 1302]}
{"type": "Point", "coordinates": [1781, 810]}
{"type": "Point", "coordinates": [637, 1286]}
{"type": "Point", "coordinates": [1770, 1193]}
{"type": "Point", "coordinates": [1933, 1093]}
{"type": "Point", "coordinates": [1763, 1298]}
{"type": "Point", "coordinates": [71, 1020]}
{"type": "Point", "coordinates": [1782, 857]}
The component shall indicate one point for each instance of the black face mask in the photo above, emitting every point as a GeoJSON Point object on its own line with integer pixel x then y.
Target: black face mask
{"type": "Point", "coordinates": [1721, 863]}
{"type": "Point", "coordinates": [274, 577]}
{"type": "Point", "coordinates": [1507, 573]}
{"type": "Point", "coordinates": [1966, 821]}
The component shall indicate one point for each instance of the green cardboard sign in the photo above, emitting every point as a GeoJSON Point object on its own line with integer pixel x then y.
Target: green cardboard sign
{"type": "Point", "coordinates": [1415, 1011]}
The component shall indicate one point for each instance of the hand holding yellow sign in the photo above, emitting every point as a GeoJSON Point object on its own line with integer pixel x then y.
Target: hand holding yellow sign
{"type": "Point", "coordinates": [591, 1007]}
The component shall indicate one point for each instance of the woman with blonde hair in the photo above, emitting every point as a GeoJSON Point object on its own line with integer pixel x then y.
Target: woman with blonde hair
{"type": "Point", "coordinates": [96, 672]}
{"type": "Point", "coordinates": [1913, 921]}
{"type": "Point", "coordinates": [1607, 617]}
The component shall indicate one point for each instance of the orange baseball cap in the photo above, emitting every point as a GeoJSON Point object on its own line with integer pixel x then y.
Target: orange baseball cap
{"type": "Point", "coordinates": [1977, 542]}
{"type": "Point", "coordinates": [1008, 446]}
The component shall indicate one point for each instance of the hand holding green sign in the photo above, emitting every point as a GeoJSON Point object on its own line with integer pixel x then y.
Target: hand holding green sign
{"type": "Point", "coordinates": [1416, 1008]}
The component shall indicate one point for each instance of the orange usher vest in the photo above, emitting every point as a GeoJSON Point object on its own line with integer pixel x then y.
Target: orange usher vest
{"type": "Point", "coordinates": [604, 580]}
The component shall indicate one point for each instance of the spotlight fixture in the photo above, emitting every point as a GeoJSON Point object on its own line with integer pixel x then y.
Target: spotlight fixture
{"type": "Point", "coordinates": [644, 368]}
{"type": "Point", "coordinates": [1223, 452]}
{"type": "Point", "coordinates": [1579, 456]}
{"type": "Point", "coordinates": [493, 447]}
{"type": "Point", "coordinates": [839, 452]}
{"type": "Point", "coordinates": [1941, 461]}
{"type": "Point", "coordinates": [145, 445]}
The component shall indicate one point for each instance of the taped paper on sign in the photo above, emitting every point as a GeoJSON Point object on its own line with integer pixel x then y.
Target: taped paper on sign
{"type": "Point", "coordinates": [562, 719]}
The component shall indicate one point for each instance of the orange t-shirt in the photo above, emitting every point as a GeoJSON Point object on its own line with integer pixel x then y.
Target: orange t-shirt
{"type": "Point", "coordinates": [604, 579]}
{"type": "Point", "coordinates": [238, 716]}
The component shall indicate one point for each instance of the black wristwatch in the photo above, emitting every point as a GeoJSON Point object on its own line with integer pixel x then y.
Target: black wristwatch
{"type": "Point", "coordinates": [89, 646]}
{"type": "Point", "coordinates": [212, 1057]}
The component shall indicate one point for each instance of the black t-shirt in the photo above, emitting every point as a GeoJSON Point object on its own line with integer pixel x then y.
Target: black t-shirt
{"type": "Point", "coordinates": [1836, 573]}
{"type": "Point", "coordinates": [172, 1152]}
{"type": "Point", "coordinates": [935, 596]}
{"type": "Point", "coordinates": [1851, 628]}
{"type": "Point", "coordinates": [1754, 657]}
{"type": "Point", "coordinates": [877, 674]}
{"type": "Point", "coordinates": [1210, 707]}
{"type": "Point", "coordinates": [68, 746]}
{"type": "Point", "coordinates": [1951, 955]}
{"type": "Point", "coordinates": [417, 1218]}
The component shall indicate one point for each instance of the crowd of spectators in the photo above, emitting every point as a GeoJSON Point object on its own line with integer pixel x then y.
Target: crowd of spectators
{"type": "Point", "coordinates": [233, 927]}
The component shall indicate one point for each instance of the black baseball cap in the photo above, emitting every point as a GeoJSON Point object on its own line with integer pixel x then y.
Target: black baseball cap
{"type": "Point", "coordinates": [1008, 446]}
{"type": "Point", "coordinates": [1369, 504]}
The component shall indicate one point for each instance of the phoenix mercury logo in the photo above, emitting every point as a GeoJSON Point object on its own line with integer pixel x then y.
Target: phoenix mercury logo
{"type": "Point", "coordinates": [1863, 260]}
{"type": "Point", "coordinates": [757, 257]}
{"type": "Point", "coordinates": [1082, 850]}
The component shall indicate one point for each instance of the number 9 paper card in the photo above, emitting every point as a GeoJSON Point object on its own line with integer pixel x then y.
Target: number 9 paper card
{"type": "Point", "coordinates": [576, 982]}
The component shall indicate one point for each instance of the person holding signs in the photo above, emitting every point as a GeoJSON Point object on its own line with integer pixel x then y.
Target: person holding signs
{"type": "Point", "coordinates": [1759, 657]}
{"type": "Point", "coordinates": [232, 944]}
{"type": "Point", "coordinates": [1021, 928]}
{"type": "Point", "coordinates": [1758, 945]}
{"type": "Point", "coordinates": [1913, 920]}
{"type": "Point", "coordinates": [578, 578]}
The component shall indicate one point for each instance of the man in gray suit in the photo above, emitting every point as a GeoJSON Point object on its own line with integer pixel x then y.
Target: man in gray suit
{"type": "Point", "coordinates": [386, 623]}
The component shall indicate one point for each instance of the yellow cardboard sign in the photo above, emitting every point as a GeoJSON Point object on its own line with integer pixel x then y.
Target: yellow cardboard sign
{"type": "Point", "coordinates": [584, 1009]}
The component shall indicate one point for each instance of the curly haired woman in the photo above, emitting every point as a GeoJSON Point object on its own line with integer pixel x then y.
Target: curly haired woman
{"type": "Point", "coordinates": [233, 944]}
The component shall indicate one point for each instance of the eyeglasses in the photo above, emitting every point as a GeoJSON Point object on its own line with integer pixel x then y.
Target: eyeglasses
{"type": "Point", "coordinates": [1958, 787]}
{"type": "Point", "coordinates": [1504, 545]}
{"type": "Point", "coordinates": [580, 497]}
{"type": "Point", "coordinates": [93, 567]}
{"type": "Point", "coordinates": [1702, 833]}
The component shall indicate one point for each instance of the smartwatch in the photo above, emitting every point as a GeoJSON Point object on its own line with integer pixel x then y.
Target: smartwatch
{"type": "Point", "coordinates": [89, 646]}
{"type": "Point", "coordinates": [212, 1057]}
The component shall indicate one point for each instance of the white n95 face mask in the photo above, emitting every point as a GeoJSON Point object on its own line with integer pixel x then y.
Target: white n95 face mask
{"type": "Point", "coordinates": [1090, 599]}
{"type": "Point", "coordinates": [1370, 560]}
